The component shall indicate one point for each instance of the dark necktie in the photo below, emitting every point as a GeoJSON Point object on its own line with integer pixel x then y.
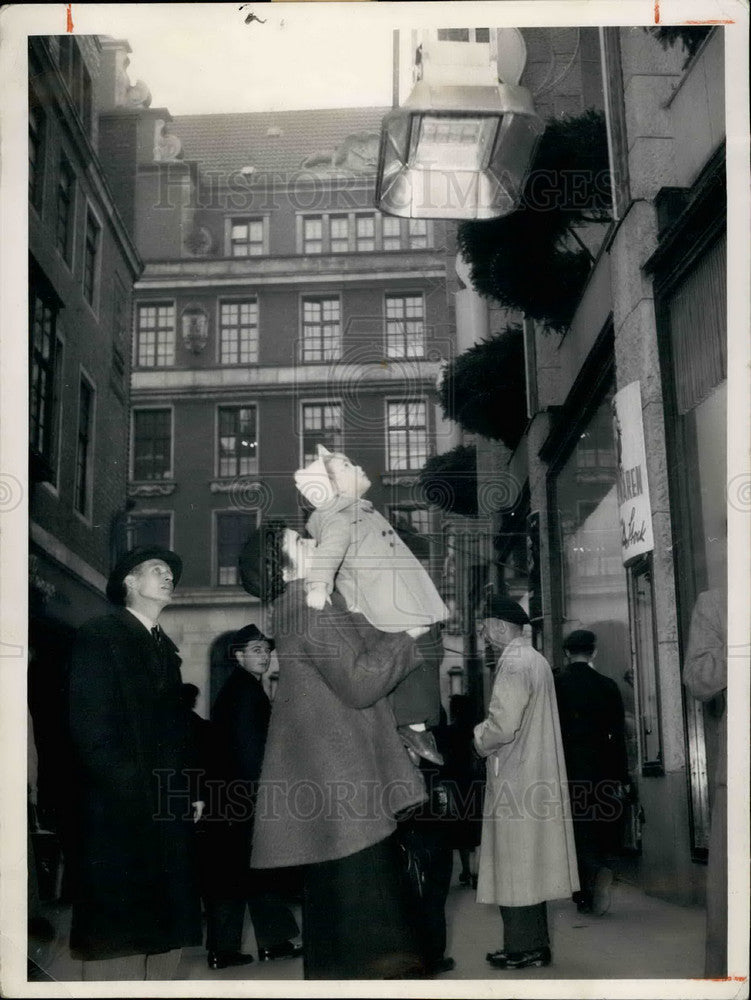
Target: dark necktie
{"type": "Point", "coordinates": [158, 637]}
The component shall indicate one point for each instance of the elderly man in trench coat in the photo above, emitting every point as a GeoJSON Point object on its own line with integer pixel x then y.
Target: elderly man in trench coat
{"type": "Point", "coordinates": [136, 901]}
{"type": "Point", "coordinates": [527, 852]}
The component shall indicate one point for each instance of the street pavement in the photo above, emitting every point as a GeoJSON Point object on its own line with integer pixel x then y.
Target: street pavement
{"type": "Point", "coordinates": [641, 937]}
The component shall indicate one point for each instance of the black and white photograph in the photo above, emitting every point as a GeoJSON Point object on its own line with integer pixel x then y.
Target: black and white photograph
{"type": "Point", "coordinates": [375, 495]}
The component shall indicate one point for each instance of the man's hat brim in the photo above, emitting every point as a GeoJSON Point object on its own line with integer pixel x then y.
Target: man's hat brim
{"type": "Point", "coordinates": [127, 563]}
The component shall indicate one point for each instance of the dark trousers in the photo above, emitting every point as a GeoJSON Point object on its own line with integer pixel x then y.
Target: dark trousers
{"type": "Point", "coordinates": [525, 928]}
{"type": "Point", "coordinates": [356, 918]}
{"type": "Point", "coordinates": [418, 697]}
{"type": "Point", "coordinates": [434, 860]}
{"type": "Point", "coordinates": [229, 885]}
{"type": "Point", "coordinates": [272, 922]}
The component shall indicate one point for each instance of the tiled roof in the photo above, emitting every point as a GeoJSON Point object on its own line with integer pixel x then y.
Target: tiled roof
{"type": "Point", "coordinates": [271, 140]}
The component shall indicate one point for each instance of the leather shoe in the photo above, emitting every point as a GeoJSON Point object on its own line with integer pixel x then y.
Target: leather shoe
{"type": "Point", "coordinates": [421, 743]}
{"type": "Point", "coordinates": [285, 949]}
{"type": "Point", "coordinates": [440, 965]}
{"type": "Point", "coordinates": [225, 959]}
{"type": "Point", "coordinates": [519, 959]}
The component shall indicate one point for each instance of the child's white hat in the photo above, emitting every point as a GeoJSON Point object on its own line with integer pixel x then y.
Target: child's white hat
{"type": "Point", "coordinates": [313, 480]}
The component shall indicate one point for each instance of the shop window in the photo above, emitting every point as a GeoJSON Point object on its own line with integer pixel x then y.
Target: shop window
{"type": "Point", "coordinates": [594, 583]}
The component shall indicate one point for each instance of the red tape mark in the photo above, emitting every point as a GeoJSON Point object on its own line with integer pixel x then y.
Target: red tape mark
{"type": "Point", "coordinates": [657, 11]}
{"type": "Point", "coordinates": [69, 23]}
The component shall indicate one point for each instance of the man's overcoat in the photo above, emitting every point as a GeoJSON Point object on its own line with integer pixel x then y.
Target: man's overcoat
{"type": "Point", "coordinates": [136, 891]}
{"type": "Point", "coordinates": [527, 852]}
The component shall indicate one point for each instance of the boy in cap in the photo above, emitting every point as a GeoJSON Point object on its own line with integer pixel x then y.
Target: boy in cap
{"type": "Point", "coordinates": [359, 552]}
{"type": "Point", "coordinates": [527, 853]}
{"type": "Point", "coordinates": [240, 718]}
{"type": "Point", "coordinates": [136, 901]}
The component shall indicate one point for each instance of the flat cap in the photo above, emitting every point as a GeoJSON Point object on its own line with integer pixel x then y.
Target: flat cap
{"type": "Point", "coordinates": [581, 640]}
{"type": "Point", "coordinates": [249, 633]}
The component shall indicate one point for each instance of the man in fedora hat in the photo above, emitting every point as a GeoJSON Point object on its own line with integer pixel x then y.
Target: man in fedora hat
{"type": "Point", "coordinates": [527, 852]}
{"type": "Point", "coordinates": [136, 901]}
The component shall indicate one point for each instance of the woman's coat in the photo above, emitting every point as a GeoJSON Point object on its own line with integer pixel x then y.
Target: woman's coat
{"type": "Point", "coordinates": [527, 854]}
{"type": "Point", "coordinates": [335, 772]}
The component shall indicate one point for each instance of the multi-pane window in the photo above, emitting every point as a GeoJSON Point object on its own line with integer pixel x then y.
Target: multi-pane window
{"type": "Point", "coordinates": [90, 257]}
{"type": "Point", "coordinates": [155, 334]}
{"type": "Point", "coordinates": [36, 150]}
{"type": "Point", "coordinates": [64, 222]}
{"type": "Point", "coordinates": [321, 330]}
{"type": "Point", "coordinates": [246, 238]}
{"type": "Point", "coordinates": [339, 233]}
{"type": "Point", "coordinates": [418, 234]}
{"type": "Point", "coordinates": [407, 435]}
{"type": "Point", "coordinates": [232, 530]}
{"type": "Point", "coordinates": [77, 79]}
{"type": "Point", "coordinates": [238, 332]}
{"type": "Point", "coordinates": [405, 326]}
{"type": "Point", "coordinates": [237, 445]}
{"type": "Point", "coordinates": [83, 446]}
{"type": "Point", "coordinates": [365, 232]}
{"type": "Point", "coordinates": [321, 424]}
{"type": "Point", "coordinates": [152, 444]}
{"type": "Point", "coordinates": [149, 529]}
{"type": "Point", "coordinates": [312, 234]}
{"type": "Point", "coordinates": [392, 236]}
{"type": "Point", "coordinates": [43, 375]}
{"type": "Point", "coordinates": [410, 519]}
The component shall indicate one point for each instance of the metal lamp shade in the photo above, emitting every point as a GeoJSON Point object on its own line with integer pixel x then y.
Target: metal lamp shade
{"type": "Point", "coordinates": [457, 152]}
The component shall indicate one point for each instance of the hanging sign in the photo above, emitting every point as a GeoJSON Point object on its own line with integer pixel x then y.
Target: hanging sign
{"type": "Point", "coordinates": [633, 489]}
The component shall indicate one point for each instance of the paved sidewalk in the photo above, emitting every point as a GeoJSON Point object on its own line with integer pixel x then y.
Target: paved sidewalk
{"type": "Point", "coordinates": [641, 937]}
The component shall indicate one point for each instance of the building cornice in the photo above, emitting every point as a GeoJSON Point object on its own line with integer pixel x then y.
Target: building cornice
{"type": "Point", "coordinates": [391, 375]}
{"type": "Point", "coordinates": [338, 268]}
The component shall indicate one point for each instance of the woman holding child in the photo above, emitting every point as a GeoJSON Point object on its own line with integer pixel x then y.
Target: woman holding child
{"type": "Point", "coordinates": [335, 773]}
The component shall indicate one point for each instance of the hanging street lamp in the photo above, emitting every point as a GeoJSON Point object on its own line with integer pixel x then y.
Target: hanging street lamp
{"type": "Point", "coordinates": [461, 144]}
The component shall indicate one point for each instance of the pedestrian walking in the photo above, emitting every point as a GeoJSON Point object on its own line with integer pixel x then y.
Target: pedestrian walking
{"type": "Point", "coordinates": [466, 775]}
{"type": "Point", "coordinates": [136, 900]}
{"type": "Point", "coordinates": [527, 853]}
{"type": "Point", "coordinates": [240, 720]}
{"type": "Point", "coordinates": [590, 709]}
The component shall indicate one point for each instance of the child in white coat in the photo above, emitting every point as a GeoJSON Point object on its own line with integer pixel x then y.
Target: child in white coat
{"type": "Point", "coordinates": [359, 552]}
